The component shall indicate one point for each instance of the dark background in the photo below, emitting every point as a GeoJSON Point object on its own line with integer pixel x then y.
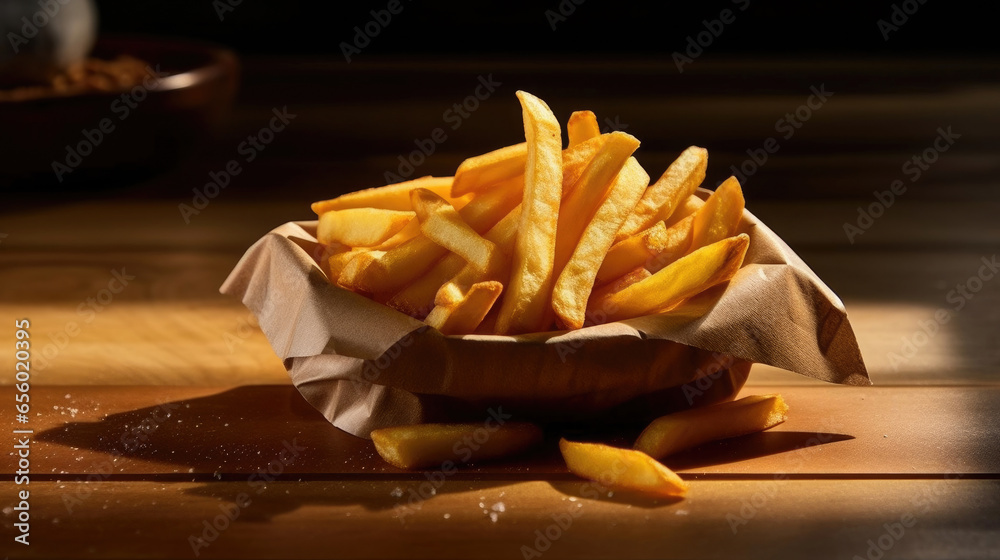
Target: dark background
{"type": "Point", "coordinates": [595, 27]}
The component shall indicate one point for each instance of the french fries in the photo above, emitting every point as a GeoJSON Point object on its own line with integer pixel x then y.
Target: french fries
{"type": "Point", "coordinates": [432, 445]}
{"type": "Point", "coordinates": [618, 468]}
{"type": "Point", "coordinates": [687, 277]}
{"type": "Point", "coordinates": [535, 237]}
{"type": "Point", "coordinates": [360, 227]}
{"type": "Point", "coordinates": [525, 306]}
{"type": "Point", "coordinates": [682, 430]}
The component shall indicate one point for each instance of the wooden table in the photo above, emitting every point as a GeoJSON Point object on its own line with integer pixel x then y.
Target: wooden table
{"type": "Point", "coordinates": [158, 410]}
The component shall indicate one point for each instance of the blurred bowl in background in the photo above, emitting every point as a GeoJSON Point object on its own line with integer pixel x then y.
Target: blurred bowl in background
{"type": "Point", "coordinates": [111, 138]}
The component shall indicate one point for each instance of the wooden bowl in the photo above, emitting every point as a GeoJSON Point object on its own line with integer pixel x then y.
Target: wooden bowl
{"type": "Point", "coordinates": [59, 141]}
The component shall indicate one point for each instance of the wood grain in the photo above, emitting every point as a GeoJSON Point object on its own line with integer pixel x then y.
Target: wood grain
{"type": "Point", "coordinates": [784, 519]}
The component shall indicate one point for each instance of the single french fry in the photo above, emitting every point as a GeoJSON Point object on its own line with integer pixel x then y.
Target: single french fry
{"type": "Point", "coordinates": [525, 305]}
{"type": "Point", "coordinates": [409, 231]}
{"type": "Point", "coordinates": [335, 262]}
{"type": "Point", "coordinates": [624, 469]}
{"type": "Point", "coordinates": [675, 243]}
{"type": "Point", "coordinates": [688, 276]}
{"type": "Point", "coordinates": [442, 224]}
{"type": "Point", "coordinates": [389, 197]}
{"type": "Point", "coordinates": [631, 277]}
{"type": "Point", "coordinates": [576, 158]}
{"type": "Point", "coordinates": [630, 253]}
{"type": "Point", "coordinates": [576, 279]}
{"type": "Point", "coordinates": [433, 445]}
{"type": "Point", "coordinates": [480, 172]}
{"type": "Point", "coordinates": [356, 267]}
{"type": "Point", "coordinates": [582, 126]}
{"type": "Point", "coordinates": [464, 316]}
{"type": "Point", "coordinates": [688, 208]}
{"type": "Point", "coordinates": [690, 428]}
{"type": "Point", "coordinates": [591, 189]}
{"type": "Point", "coordinates": [360, 227]}
{"type": "Point", "coordinates": [677, 183]}
{"type": "Point", "coordinates": [720, 216]}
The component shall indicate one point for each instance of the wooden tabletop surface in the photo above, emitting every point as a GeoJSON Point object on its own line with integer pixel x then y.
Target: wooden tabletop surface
{"type": "Point", "coordinates": [159, 408]}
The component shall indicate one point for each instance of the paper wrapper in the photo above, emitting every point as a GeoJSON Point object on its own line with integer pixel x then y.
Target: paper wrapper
{"type": "Point", "coordinates": [366, 366]}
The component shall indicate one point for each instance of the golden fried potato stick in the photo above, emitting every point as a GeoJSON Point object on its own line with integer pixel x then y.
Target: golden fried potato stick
{"type": "Point", "coordinates": [686, 277]}
{"type": "Point", "coordinates": [334, 264]}
{"type": "Point", "coordinates": [433, 445]}
{"type": "Point", "coordinates": [356, 267]}
{"type": "Point", "coordinates": [442, 224]}
{"type": "Point", "coordinates": [465, 315]}
{"type": "Point", "coordinates": [480, 172]}
{"type": "Point", "coordinates": [688, 208]}
{"type": "Point", "coordinates": [720, 216]}
{"type": "Point", "coordinates": [677, 183]}
{"type": "Point", "coordinates": [630, 253]}
{"type": "Point", "coordinates": [690, 428]}
{"type": "Point", "coordinates": [360, 227]}
{"type": "Point", "coordinates": [576, 278]}
{"type": "Point", "coordinates": [389, 197]}
{"type": "Point", "coordinates": [525, 305]}
{"type": "Point", "coordinates": [631, 277]}
{"type": "Point", "coordinates": [400, 266]}
{"type": "Point", "coordinates": [674, 245]}
{"type": "Point", "coordinates": [590, 190]}
{"type": "Point", "coordinates": [582, 126]}
{"type": "Point", "coordinates": [624, 469]}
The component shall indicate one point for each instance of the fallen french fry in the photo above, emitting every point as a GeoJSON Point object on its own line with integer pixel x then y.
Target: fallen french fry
{"type": "Point", "coordinates": [389, 197]}
{"type": "Point", "coordinates": [525, 305]}
{"type": "Point", "coordinates": [720, 216]}
{"type": "Point", "coordinates": [360, 227]}
{"type": "Point", "coordinates": [434, 445]}
{"type": "Point", "coordinates": [690, 428]}
{"type": "Point", "coordinates": [686, 277]}
{"type": "Point", "coordinates": [677, 183]}
{"type": "Point", "coordinates": [624, 469]}
{"type": "Point", "coordinates": [582, 126]}
{"type": "Point", "coordinates": [480, 172]}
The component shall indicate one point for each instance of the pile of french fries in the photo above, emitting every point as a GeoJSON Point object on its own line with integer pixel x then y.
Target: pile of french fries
{"type": "Point", "coordinates": [536, 237]}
